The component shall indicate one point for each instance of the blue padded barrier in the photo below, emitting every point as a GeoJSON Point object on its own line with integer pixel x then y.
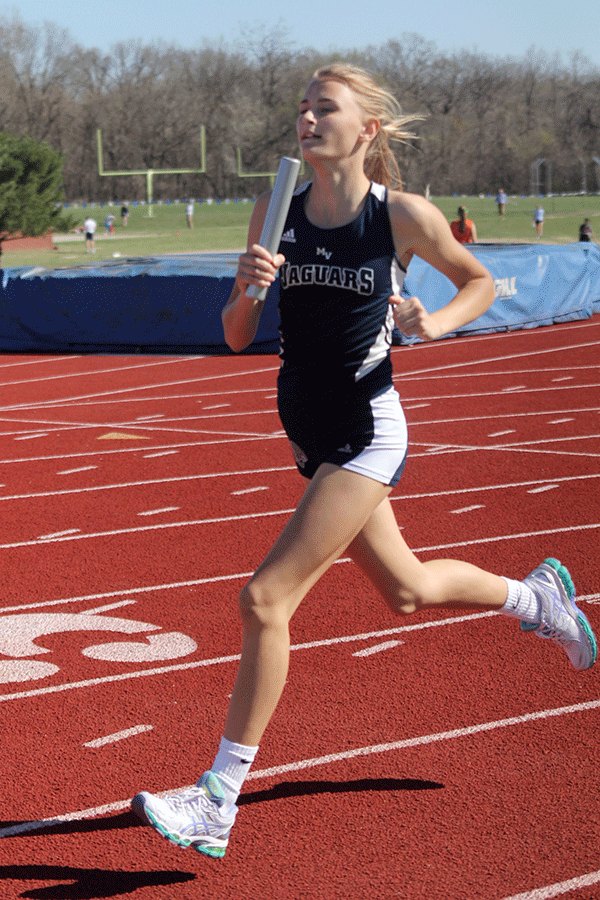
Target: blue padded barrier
{"type": "Point", "coordinates": [173, 304]}
{"type": "Point", "coordinates": [155, 305]}
{"type": "Point", "coordinates": [536, 284]}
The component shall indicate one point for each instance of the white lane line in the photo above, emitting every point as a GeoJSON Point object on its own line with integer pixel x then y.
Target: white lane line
{"type": "Point", "coordinates": [106, 595]}
{"type": "Point", "coordinates": [265, 437]}
{"type": "Point", "coordinates": [223, 660]}
{"type": "Point", "coordinates": [119, 736]}
{"type": "Point", "coordinates": [482, 360]}
{"type": "Point", "coordinates": [545, 487]}
{"type": "Point", "coordinates": [236, 518]}
{"type": "Point", "coordinates": [329, 759]}
{"type": "Point", "coordinates": [216, 405]}
{"type": "Point", "coordinates": [210, 475]}
{"type": "Point", "coordinates": [156, 512]}
{"type": "Point", "coordinates": [162, 453]}
{"type": "Point", "coordinates": [200, 396]}
{"type": "Point", "coordinates": [142, 528]}
{"type": "Point", "coordinates": [465, 509]}
{"type": "Point", "coordinates": [519, 389]}
{"type": "Point", "coordinates": [108, 606]}
{"type": "Point", "coordinates": [110, 370]}
{"type": "Point", "coordinates": [526, 447]}
{"type": "Point", "coordinates": [80, 469]}
{"type": "Point", "coordinates": [249, 491]}
{"type": "Point", "coordinates": [523, 445]}
{"type": "Point", "coordinates": [180, 478]}
{"type": "Point", "coordinates": [569, 529]}
{"type": "Point", "coordinates": [378, 648]}
{"type": "Point", "coordinates": [48, 538]}
{"type": "Point", "coordinates": [560, 421]}
{"type": "Point", "coordinates": [177, 585]}
{"type": "Point", "coordinates": [425, 739]}
{"type": "Point", "coordinates": [502, 433]}
{"type": "Point", "coordinates": [564, 378]}
{"type": "Point", "coordinates": [112, 398]}
{"type": "Point", "coordinates": [555, 890]}
{"type": "Point", "coordinates": [52, 361]}
{"type": "Point", "coordinates": [418, 351]}
{"type": "Point", "coordinates": [113, 394]}
{"type": "Point", "coordinates": [30, 437]}
{"type": "Point", "coordinates": [125, 450]}
{"type": "Point", "coordinates": [169, 425]}
{"type": "Point", "coordinates": [500, 417]}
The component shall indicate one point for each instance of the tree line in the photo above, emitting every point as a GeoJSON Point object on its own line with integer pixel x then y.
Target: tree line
{"type": "Point", "coordinates": [487, 119]}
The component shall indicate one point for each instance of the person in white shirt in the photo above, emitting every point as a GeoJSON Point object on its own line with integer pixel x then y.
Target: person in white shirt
{"type": "Point", "coordinates": [89, 227]}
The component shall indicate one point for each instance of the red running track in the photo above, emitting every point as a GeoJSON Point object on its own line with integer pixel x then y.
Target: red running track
{"type": "Point", "coordinates": [444, 756]}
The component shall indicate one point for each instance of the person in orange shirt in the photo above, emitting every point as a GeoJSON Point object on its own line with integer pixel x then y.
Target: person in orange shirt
{"type": "Point", "coordinates": [464, 229]}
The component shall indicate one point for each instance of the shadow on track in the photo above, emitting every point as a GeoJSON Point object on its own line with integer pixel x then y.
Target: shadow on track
{"type": "Point", "coordinates": [89, 883]}
{"type": "Point", "coordinates": [302, 788]}
{"type": "Point", "coordinates": [279, 792]}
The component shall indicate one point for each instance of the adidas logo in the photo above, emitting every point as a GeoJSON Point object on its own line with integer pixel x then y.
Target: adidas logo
{"type": "Point", "coordinates": [289, 236]}
{"type": "Point", "coordinates": [346, 449]}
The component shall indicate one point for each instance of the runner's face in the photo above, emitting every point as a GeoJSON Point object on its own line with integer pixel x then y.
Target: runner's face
{"type": "Point", "coordinates": [331, 125]}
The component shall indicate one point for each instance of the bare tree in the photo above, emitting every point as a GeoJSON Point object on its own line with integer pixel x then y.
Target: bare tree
{"type": "Point", "coordinates": [486, 118]}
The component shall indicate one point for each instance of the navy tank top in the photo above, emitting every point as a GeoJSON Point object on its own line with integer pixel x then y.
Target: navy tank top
{"type": "Point", "coordinates": [335, 320]}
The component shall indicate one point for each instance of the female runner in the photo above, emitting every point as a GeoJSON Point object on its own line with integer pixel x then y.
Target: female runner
{"type": "Point", "coordinates": [348, 239]}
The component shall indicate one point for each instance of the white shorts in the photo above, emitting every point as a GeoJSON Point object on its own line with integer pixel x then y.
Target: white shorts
{"type": "Point", "coordinates": [369, 436]}
{"type": "Point", "coordinates": [385, 457]}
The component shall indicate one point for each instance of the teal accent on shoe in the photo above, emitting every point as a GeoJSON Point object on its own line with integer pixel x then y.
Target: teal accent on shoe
{"type": "Point", "coordinates": [564, 575]}
{"type": "Point", "coordinates": [567, 582]}
{"type": "Point", "coordinates": [211, 781]}
{"type": "Point", "coordinates": [582, 619]}
{"type": "Point", "coordinates": [166, 834]}
{"type": "Point", "coordinates": [214, 852]}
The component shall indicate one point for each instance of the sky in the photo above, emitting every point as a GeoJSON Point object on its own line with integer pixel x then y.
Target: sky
{"type": "Point", "coordinates": [497, 28]}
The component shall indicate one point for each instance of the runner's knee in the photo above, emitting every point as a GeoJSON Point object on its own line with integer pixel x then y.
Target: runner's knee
{"type": "Point", "coordinates": [259, 606]}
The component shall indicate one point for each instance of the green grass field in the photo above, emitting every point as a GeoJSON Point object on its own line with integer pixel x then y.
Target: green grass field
{"type": "Point", "coordinates": [223, 227]}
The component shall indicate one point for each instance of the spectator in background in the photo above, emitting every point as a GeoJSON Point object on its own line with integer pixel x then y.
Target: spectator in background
{"type": "Point", "coordinates": [189, 214]}
{"type": "Point", "coordinates": [501, 202]}
{"type": "Point", "coordinates": [464, 229]}
{"type": "Point", "coordinates": [124, 214]}
{"type": "Point", "coordinates": [89, 226]}
{"type": "Point", "coordinates": [109, 224]}
{"type": "Point", "coordinates": [585, 232]}
{"type": "Point", "coordinates": [538, 220]}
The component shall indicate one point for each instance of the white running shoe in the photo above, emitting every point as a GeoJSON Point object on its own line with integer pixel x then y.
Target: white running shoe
{"type": "Point", "coordinates": [193, 817]}
{"type": "Point", "coordinates": [560, 618]}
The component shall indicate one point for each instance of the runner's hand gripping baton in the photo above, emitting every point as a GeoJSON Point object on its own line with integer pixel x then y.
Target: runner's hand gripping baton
{"type": "Point", "coordinates": [279, 204]}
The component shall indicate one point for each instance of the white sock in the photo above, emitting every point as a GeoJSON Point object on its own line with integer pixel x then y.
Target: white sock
{"type": "Point", "coordinates": [231, 765]}
{"type": "Point", "coordinates": [521, 602]}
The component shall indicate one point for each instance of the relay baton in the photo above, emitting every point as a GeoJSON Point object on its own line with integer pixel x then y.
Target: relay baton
{"type": "Point", "coordinates": [279, 204]}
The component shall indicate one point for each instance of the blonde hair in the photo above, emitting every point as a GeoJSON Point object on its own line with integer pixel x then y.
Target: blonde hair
{"type": "Point", "coordinates": [379, 103]}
